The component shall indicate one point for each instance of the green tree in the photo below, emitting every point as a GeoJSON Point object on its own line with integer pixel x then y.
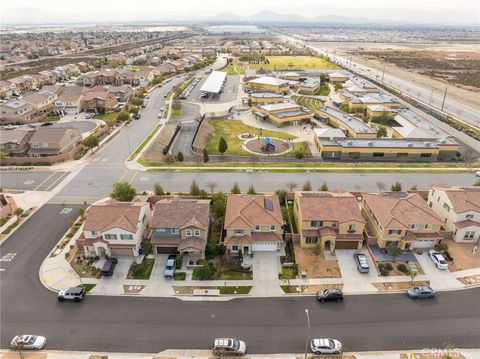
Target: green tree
{"type": "Point", "coordinates": [195, 189]}
{"type": "Point", "coordinates": [205, 155]}
{"type": "Point", "coordinates": [212, 185]}
{"type": "Point", "coordinates": [381, 131]}
{"type": "Point", "coordinates": [82, 211]}
{"type": "Point", "coordinates": [251, 190]}
{"type": "Point", "coordinates": [123, 192]}
{"type": "Point", "coordinates": [394, 251]}
{"type": "Point", "coordinates": [282, 195]}
{"type": "Point", "coordinates": [19, 211]}
{"type": "Point", "coordinates": [412, 275]}
{"type": "Point", "coordinates": [441, 247]}
{"type": "Point", "coordinates": [323, 77]}
{"type": "Point", "coordinates": [222, 146]}
{"type": "Point", "coordinates": [158, 189]}
{"type": "Point", "coordinates": [133, 109]}
{"type": "Point", "coordinates": [123, 116]}
{"type": "Point", "coordinates": [324, 187]}
{"type": "Point", "coordinates": [179, 156]}
{"type": "Point", "coordinates": [236, 188]}
{"type": "Point", "coordinates": [396, 187]}
{"type": "Point", "coordinates": [307, 186]}
{"type": "Point", "coordinates": [137, 101]}
{"type": "Point", "coordinates": [338, 86]}
{"type": "Point", "coordinates": [91, 142]}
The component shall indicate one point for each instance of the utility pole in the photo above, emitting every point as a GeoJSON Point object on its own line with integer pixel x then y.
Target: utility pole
{"type": "Point", "coordinates": [431, 96]}
{"type": "Point", "coordinates": [444, 97]}
{"type": "Point", "coordinates": [308, 333]}
{"type": "Point", "coordinates": [383, 73]}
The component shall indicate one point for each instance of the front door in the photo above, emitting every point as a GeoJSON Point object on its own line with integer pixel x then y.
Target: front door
{"type": "Point", "coordinates": [245, 250]}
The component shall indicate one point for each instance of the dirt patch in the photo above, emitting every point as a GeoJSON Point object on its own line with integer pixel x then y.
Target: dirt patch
{"type": "Point", "coordinates": [205, 132]}
{"type": "Point", "coordinates": [453, 354]}
{"type": "Point", "coordinates": [154, 153]}
{"type": "Point", "coordinates": [342, 356]}
{"type": "Point", "coordinates": [470, 280]}
{"type": "Point", "coordinates": [462, 255]}
{"type": "Point", "coordinates": [133, 289]}
{"type": "Point", "coordinates": [316, 266]}
{"type": "Point", "coordinates": [386, 286]}
{"type": "Point", "coordinates": [310, 289]}
{"type": "Point", "coordinates": [395, 270]}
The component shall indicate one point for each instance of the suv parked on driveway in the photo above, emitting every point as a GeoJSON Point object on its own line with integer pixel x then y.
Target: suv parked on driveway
{"type": "Point", "coordinates": [169, 271]}
{"type": "Point", "coordinates": [74, 293]}
{"type": "Point", "coordinates": [109, 267]}
{"type": "Point", "coordinates": [362, 262]}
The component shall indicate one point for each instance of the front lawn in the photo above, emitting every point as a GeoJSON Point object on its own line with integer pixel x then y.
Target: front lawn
{"type": "Point", "coordinates": [230, 129]}
{"type": "Point", "coordinates": [88, 287]}
{"type": "Point", "coordinates": [180, 276]}
{"type": "Point", "coordinates": [288, 273]}
{"type": "Point", "coordinates": [176, 113]}
{"type": "Point", "coordinates": [109, 117]}
{"type": "Point", "coordinates": [235, 290]}
{"type": "Point", "coordinates": [142, 270]}
{"type": "Point", "coordinates": [231, 274]}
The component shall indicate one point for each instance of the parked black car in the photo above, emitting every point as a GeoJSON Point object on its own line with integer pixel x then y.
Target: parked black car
{"type": "Point", "coordinates": [329, 295]}
{"type": "Point", "coordinates": [137, 116]}
{"type": "Point", "coordinates": [109, 267]}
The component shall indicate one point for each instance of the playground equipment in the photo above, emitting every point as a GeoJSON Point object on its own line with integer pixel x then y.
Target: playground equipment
{"type": "Point", "coordinates": [268, 146]}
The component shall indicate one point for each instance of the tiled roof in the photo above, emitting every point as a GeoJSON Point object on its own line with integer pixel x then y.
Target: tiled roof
{"type": "Point", "coordinates": [181, 213]}
{"type": "Point", "coordinates": [52, 134]}
{"type": "Point", "coordinates": [250, 210]}
{"type": "Point", "coordinates": [400, 210]}
{"type": "Point", "coordinates": [105, 216]}
{"type": "Point", "coordinates": [192, 242]}
{"type": "Point", "coordinates": [464, 199]}
{"type": "Point", "coordinates": [254, 237]}
{"type": "Point", "coordinates": [467, 223]}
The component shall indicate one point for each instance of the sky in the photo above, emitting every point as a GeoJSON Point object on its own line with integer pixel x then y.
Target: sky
{"type": "Point", "coordinates": [416, 11]}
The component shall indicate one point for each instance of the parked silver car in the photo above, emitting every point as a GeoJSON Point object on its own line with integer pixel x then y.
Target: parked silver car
{"type": "Point", "coordinates": [325, 346]}
{"type": "Point", "coordinates": [229, 346]}
{"type": "Point", "coordinates": [362, 262]}
{"type": "Point", "coordinates": [438, 259]}
{"type": "Point", "coordinates": [24, 342]}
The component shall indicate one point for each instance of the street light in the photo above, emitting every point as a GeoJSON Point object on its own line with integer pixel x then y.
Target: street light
{"type": "Point", "coordinates": [308, 333]}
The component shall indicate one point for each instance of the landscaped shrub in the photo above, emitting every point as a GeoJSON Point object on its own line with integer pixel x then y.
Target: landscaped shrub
{"type": "Point", "coordinates": [179, 262]}
{"type": "Point", "coordinates": [402, 268]}
{"type": "Point", "coordinates": [384, 271]}
{"type": "Point", "coordinates": [388, 266]}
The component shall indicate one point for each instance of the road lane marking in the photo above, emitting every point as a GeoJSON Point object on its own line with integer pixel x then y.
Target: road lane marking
{"type": "Point", "coordinates": [28, 182]}
{"type": "Point", "coordinates": [53, 174]}
{"type": "Point", "coordinates": [8, 257]}
{"type": "Point", "coordinates": [57, 181]}
{"type": "Point", "coordinates": [66, 210]}
{"type": "Point", "coordinates": [133, 177]}
{"type": "Point", "coordinates": [123, 175]}
{"type": "Point", "coordinates": [144, 178]}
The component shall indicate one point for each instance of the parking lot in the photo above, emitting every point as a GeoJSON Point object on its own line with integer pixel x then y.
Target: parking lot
{"type": "Point", "coordinates": [229, 93]}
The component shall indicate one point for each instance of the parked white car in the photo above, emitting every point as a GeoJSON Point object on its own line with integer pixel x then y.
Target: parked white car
{"type": "Point", "coordinates": [326, 346]}
{"type": "Point", "coordinates": [438, 259]}
{"type": "Point", "coordinates": [35, 342]}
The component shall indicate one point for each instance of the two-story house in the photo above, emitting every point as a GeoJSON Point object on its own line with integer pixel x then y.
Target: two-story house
{"type": "Point", "coordinates": [114, 229]}
{"type": "Point", "coordinates": [253, 223]}
{"type": "Point", "coordinates": [459, 209]}
{"type": "Point", "coordinates": [332, 220]}
{"type": "Point", "coordinates": [41, 102]}
{"type": "Point", "coordinates": [401, 219]}
{"type": "Point", "coordinates": [180, 225]}
{"type": "Point", "coordinates": [98, 99]}
{"type": "Point", "coordinates": [15, 142]}
{"type": "Point", "coordinates": [17, 111]}
{"type": "Point", "coordinates": [52, 141]}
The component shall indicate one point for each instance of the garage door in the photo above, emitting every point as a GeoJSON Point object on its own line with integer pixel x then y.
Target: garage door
{"type": "Point", "coordinates": [424, 244]}
{"type": "Point", "coordinates": [346, 245]}
{"type": "Point", "coordinates": [166, 250]}
{"type": "Point", "coordinates": [121, 251]}
{"type": "Point", "coordinates": [264, 247]}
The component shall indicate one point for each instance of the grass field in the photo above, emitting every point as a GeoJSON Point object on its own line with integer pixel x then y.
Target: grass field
{"type": "Point", "coordinates": [324, 90]}
{"type": "Point", "coordinates": [107, 117]}
{"type": "Point", "coordinates": [310, 103]}
{"type": "Point", "coordinates": [230, 129]}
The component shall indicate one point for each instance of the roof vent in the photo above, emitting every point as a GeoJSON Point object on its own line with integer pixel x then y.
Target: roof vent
{"type": "Point", "coordinates": [349, 143]}
{"type": "Point", "coordinates": [427, 144]}
{"type": "Point", "coordinates": [370, 143]}
{"type": "Point", "coordinates": [410, 144]}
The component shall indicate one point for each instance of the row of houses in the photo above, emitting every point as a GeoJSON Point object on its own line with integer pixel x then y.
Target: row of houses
{"type": "Point", "coordinates": [254, 223]}
{"type": "Point", "coordinates": [41, 142]}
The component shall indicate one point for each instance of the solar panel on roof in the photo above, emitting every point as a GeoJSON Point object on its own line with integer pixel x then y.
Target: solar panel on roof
{"type": "Point", "coordinates": [268, 204]}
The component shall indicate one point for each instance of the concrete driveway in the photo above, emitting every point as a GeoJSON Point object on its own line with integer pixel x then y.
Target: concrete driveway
{"type": "Point", "coordinates": [266, 266]}
{"type": "Point", "coordinates": [353, 280]}
{"type": "Point", "coordinates": [439, 279]}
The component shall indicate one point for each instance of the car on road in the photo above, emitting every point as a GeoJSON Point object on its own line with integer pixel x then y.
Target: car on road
{"type": "Point", "coordinates": [362, 262]}
{"type": "Point", "coordinates": [420, 292]}
{"type": "Point", "coordinates": [46, 124]}
{"type": "Point", "coordinates": [32, 126]}
{"type": "Point", "coordinates": [11, 127]}
{"type": "Point", "coordinates": [109, 267]}
{"type": "Point", "coordinates": [28, 341]}
{"type": "Point", "coordinates": [438, 259]}
{"type": "Point", "coordinates": [229, 346]}
{"type": "Point", "coordinates": [160, 114]}
{"type": "Point", "coordinates": [329, 295]}
{"type": "Point", "coordinates": [137, 116]}
{"type": "Point", "coordinates": [325, 346]}
{"type": "Point", "coordinates": [74, 293]}
{"type": "Point", "coordinates": [89, 116]}
{"type": "Point", "coordinates": [169, 271]}
{"type": "Point", "coordinates": [477, 174]}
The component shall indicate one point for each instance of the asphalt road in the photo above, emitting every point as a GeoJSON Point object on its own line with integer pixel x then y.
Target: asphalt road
{"type": "Point", "coordinates": [269, 325]}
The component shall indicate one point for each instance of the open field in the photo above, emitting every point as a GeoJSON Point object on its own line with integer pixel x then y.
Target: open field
{"type": "Point", "coordinates": [308, 102]}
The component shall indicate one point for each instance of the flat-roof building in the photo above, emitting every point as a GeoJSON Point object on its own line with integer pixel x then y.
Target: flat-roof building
{"type": "Point", "coordinates": [214, 83]}
{"type": "Point", "coordinates": [283, 114]}
{"type": "Point", "coordinates": [262, 98]}
{"type": "Point", "coordinates": [352, 125]}
{"type": "Point", "coordinates": [310, 86]}
{"type": "Point", "coordinates": [268, 83]}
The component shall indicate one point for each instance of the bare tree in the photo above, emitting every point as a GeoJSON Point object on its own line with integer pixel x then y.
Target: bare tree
{"type": "Point", "coordinates": [291, 185]}
{"type": "Point", "coordinates": [211, 186]}
{"type": "Point", "coordinates": [380, 186]}
{"type": "Point", "coordinates": [469, 157]}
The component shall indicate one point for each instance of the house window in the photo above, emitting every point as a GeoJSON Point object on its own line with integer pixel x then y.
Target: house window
{"type": "Point", "coordinates": [160, 229]}
{"type": "Point", "coordinates": [311, 240]}
{"type": "Point", "coordinates": [234, 248]}
{"type": "Point", "coordinates": [469, 235]}
{"type": "Point", "coordinates": [273, 228]}
{"type": "Point", "coordinates": [94, 233]}
{"type": "Point", "coordinates": [189, 232]}
{"type": "Point", "coordinates": [425, 155]}
{"type": "Point", "coordinates": [110, 236]}
{"type": "Point", "coordinates": [446, 206]}
{"type": "Point", "coordinates": [427, 226]}
{"type": "Point", "coordinates": [351, 228]}
{"type": "Point", "coordinates": [430, 204]}
{"type": "Point", "coordinates": [334, 224]}
{"type": "Point", "coordinates": [257, 228]}
{"type": "Point", "coordinates": [377, 154]}
{"type": "Point", "coordinates": [174, 230]}
{"type": "Point", "coordinates": [316, 223]}
{"type": "Point", "coordinates": [469, 216]}
{"type": "Point", "coordinates": [144, 218]}
{"type": "Point", "coordinates": [394, 231]}
{"type": "Point", "coordinates": [196, 233]}
{"type": "Point", "coordinates": [238, 232]}
{"type": "Point", "coordinates": [414, 226]}
{"type": "Point", "coordinates": [126, 237]}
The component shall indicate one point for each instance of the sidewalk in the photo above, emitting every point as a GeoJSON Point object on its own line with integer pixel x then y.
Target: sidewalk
{"type": "Point", "coordinates": [207, 354]}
